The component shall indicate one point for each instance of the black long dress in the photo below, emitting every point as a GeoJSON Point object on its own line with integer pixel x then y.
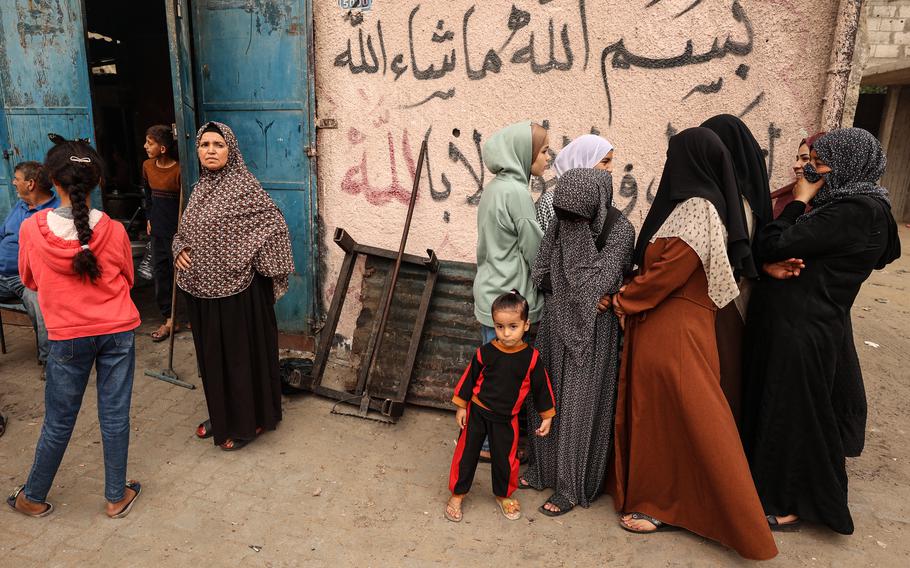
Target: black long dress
{"type": "Point", "coordinates": [793, 406]}
{"type": "Point", "coordinates": [236, 342]}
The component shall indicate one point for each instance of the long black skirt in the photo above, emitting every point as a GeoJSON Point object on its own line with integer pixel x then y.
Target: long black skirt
{"type": "Point", "coordinates": [237, 349]}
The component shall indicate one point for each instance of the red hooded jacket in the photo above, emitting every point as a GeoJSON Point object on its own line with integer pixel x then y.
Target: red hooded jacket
{"type": "Point", "coordinates": [73, 306]}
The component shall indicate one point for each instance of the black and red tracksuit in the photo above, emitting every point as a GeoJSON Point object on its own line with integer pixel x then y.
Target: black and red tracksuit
{"type": "Point", "coordinates": [492, 389]}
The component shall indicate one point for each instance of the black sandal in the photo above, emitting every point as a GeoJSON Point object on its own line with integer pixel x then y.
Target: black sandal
{"type": "Point", "coordinates": [234, 445]}
{"type": "Point", "coordinates": [778, 526]}
{"type": "Point", "coordinates": [204, 430]}
{"type": "Point", "coordinates": [11, 501]}
{"type": "Point", "coordinates": [135, 486]}
{"type": "Point", "coordinates": [659, 526]}
{"type": "Point", "coordinates": [2, 425]}
{"type": "Point", "coordinates": [553, 501]}
{"type": "Point", "coordinates": [522, 484]}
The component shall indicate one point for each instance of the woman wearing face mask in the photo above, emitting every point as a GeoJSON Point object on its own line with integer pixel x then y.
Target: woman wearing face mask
{"type": "Point", "coordinates": [586, 151]}
{"type": "Point", "coordinates": [783, 196]}
{"type": "Point", "coordinates": [791, 430]}
{"type": "Point", "coordinates": [233, 253]}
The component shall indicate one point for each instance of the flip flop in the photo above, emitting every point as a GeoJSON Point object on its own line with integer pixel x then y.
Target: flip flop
{"type": "Point", "coordinates": [516, 511]}
{"type": "Point", "coordinates": [158, 337]}
{"type": "Point", "coordinates": [452, 517]}
{"type": "Point", "coordinates": [11, 501]}
{"type": "Point", "coordinates": [2, 425]}
{"type": "Point", "coordinates": [204, 430]}
{"type": "Point", "coordinates": [562, 510]}
{"type": "Point", "coordinates": [522, 484]}
{"type": "Point", "coordinates": [659, 526]}
{"type": "Point", "coordinates": [778, 526]}
{"type": "Point", "coordinates": [135, 486]}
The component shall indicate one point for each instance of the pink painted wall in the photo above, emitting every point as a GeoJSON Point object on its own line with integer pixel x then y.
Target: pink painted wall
{"type": "Point", "coordinates": [377, 72]}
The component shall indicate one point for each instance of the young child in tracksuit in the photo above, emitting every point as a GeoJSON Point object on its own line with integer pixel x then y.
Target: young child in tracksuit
{"type": "Point", "coordinates": [489, 395]}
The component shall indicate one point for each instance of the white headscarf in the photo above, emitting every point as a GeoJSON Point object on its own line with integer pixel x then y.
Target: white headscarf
{"type": "Point", "coordinates": [583, 152]}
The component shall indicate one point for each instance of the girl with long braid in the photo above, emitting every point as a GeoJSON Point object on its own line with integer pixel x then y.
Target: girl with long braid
{"type": "Point", "coordinates": [81, 263]}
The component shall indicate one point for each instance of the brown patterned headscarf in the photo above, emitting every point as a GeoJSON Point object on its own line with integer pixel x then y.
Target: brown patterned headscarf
{"type": "Point", "coordinates": [233, 230]}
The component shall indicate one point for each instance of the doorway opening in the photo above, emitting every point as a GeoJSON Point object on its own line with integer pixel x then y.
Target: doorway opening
{"type": "Point", "coordinates": [130, 78]}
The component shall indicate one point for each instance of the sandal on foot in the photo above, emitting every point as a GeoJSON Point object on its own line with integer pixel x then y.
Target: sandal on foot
{"type": "Point", "coordinates": [135, 486]}
{"type": "Point", "coordinates": [510, 508]}
{"type": "Point", "coordinates": [230, 445]}
{"type": "Point", "coordinates": [659, 526]}
{"type": "Point", "coordinates": [204, 430]}
{"type": "Point", "coordinates": [562, 509]}
{"type": "Point", "coordinates": [2, 425]}
{"type": "Point", "coordinates": [778, 526]}
{"type": "Point", "coordinates": [158, 335]}
{"type": "Point", "coordinates": [11, 501]}
{"type": "Point", "coordinates": [455, 516]}
{"type": "Point", "coordinates": [523, 483]}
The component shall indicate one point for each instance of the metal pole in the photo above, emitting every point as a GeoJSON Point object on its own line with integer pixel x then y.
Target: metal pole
{"type": "Point", "coordinates": [384, 314]}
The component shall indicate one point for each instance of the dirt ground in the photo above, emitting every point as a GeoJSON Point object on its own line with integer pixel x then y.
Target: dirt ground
{"type": "Point", "coordinates": [330, 490]}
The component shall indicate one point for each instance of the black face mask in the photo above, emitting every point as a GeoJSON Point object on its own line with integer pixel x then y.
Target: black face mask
{"type": "Point", "coordinates": [810, 174]}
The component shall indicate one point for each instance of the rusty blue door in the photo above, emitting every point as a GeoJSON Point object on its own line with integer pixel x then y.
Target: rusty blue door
{"type": "Point", "coordinates": [44, 83]}
{"type": "Point", "coordinates": [253, 73]}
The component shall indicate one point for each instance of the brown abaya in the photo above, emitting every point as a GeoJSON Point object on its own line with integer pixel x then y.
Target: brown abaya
{"type": "Point", "coordinates": [677, 455]}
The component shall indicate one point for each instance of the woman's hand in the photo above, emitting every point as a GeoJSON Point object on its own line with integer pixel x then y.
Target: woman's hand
{"type": "Point", "coordinates": [617, 308]}
{"type": "Point", "coordinates": [544, 427]}
{"type": "Point", "coordinates": [148, 227]}
{"type": "Point", "coordinates": [183, 259]}
{"type": "Point", "coordinates": [460, 417]}
{"type": "Point", "coordinates": [605, 303]}
{"type": "Point", "coordinates": [784, 269]}
{"type": "Point", "coordinates": [805, 190]}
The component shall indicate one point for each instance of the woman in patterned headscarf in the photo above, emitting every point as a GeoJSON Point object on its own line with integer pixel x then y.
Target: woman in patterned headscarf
{"type": "Point", "coordinates": [579, 346]}
{"type": "Point", "coordinates": [678, 460]}
{"type": "Point", "coordinates": [792, 427]}
{"type": "Point", "coordinates": [233, 253]}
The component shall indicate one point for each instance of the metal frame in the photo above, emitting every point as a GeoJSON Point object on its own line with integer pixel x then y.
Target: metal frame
{"type": "Point", "coordinates": [390, 409]}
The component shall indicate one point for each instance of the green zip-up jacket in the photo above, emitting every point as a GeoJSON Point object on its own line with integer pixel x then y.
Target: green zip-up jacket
{"type": "Point", "coordinates": [508, 235]}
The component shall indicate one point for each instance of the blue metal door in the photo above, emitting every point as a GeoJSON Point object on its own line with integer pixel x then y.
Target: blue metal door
{"type": "Point", "coordinates": [44, 83]}
{"type": "Point", "coordinates": [178, 28]}
{"type": "Point", "coordinates": [253, 73]}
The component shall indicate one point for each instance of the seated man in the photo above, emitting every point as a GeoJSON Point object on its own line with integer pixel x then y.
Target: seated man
{"type": "Point", "coordinates": [35, 194]}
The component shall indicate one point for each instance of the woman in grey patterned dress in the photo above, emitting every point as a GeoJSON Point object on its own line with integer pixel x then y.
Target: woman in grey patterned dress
{"type": "Point", "coordinates": [579, 345]}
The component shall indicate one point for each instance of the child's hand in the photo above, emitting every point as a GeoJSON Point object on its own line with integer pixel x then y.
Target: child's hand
{"type": "Point", "coordinates": [544, 427]}
{"type": "Point", "coordinates": [460, 416]}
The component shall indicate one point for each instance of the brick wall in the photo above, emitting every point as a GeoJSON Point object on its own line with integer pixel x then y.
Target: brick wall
{"type": "Point", "coordinates": [887, 31]}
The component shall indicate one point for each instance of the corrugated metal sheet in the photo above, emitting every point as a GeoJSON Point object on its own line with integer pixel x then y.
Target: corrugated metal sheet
{"type": "Point", "coordinates": [450, 336]}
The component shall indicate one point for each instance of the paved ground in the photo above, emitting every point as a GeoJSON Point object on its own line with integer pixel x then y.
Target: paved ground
{"type": "Point", "coordinates": [329, 490]}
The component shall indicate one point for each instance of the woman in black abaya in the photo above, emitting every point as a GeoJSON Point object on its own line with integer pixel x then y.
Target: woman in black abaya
{"type": "Point", "coordinates": [796, 328]}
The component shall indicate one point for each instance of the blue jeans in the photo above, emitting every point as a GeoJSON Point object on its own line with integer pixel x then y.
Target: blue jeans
{"type": "Point", "coordinates": [68, 368]}
{"type": "Point", "coordinates": [12, 287]}
{"type": "Point", "coordinates": [487, 333]}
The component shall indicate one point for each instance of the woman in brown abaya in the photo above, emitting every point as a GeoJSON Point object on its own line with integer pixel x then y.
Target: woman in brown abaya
{"type": "Point", "coordinates": [678, 461]}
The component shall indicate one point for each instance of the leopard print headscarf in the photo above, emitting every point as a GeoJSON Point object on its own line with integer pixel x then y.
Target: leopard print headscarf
{"type": "Point", "coordinates": [233, 230]}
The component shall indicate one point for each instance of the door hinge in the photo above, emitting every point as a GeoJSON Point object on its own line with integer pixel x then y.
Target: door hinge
{"type": "Point", "coordinates": [310, 150]}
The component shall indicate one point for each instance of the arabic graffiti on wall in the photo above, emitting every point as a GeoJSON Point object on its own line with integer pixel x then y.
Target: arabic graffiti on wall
{"type": "Point", "coordinates": [454, 72]}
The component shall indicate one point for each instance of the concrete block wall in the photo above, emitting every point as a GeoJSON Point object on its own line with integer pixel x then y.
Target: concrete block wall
{"type": "Point", "coordinates": [887, 28]}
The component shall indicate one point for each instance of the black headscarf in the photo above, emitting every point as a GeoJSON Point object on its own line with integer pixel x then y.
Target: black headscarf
{"type": "Point", "coordinates": [748, 165]}
{"type": "Point", "coordinates": [699, 165]}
